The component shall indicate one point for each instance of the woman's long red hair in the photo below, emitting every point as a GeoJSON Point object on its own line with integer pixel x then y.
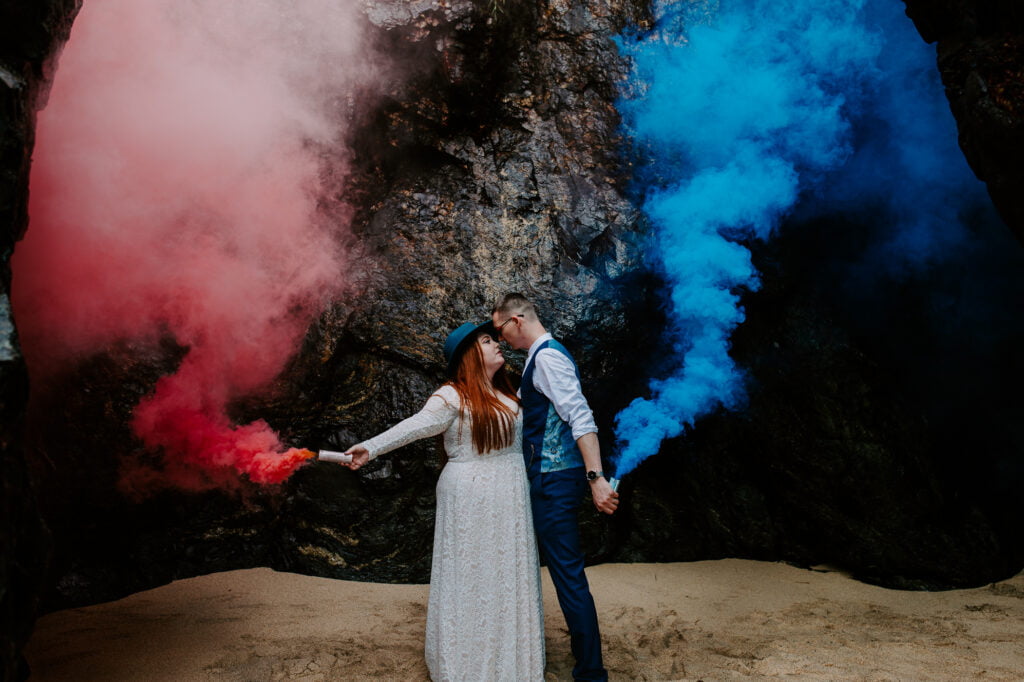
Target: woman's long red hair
{"type": "Point", "coordinates": [493, 422]}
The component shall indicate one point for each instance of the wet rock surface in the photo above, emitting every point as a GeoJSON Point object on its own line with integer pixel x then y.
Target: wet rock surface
{"type": "Point", "coordinates": [498, 165]}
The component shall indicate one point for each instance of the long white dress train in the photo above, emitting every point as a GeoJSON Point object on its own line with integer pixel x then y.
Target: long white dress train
{"type": "Point", "coordinates": [485, 614]}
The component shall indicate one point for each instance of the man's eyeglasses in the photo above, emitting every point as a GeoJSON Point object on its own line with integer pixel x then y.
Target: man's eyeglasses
{"type": "Point", "coordinates": [501, 326]}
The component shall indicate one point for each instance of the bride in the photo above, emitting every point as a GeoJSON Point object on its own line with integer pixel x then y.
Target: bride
{"type": "Point", "coordinates": [484, 616]}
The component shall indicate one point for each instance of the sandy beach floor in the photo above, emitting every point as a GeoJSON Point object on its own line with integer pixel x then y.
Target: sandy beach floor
{"type": "Point", "coordinates": [709, 620]}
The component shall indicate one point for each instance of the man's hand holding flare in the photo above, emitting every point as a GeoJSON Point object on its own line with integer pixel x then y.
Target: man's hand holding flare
{"type": "Point", "coordinates": [606, 500]}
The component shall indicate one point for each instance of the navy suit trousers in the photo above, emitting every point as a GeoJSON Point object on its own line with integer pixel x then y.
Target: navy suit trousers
{"type": "Point", "coordinates": [555, 498]}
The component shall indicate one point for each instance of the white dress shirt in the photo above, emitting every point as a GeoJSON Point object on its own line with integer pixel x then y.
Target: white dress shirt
{"type": "Point", "coordinates": [555, 377]}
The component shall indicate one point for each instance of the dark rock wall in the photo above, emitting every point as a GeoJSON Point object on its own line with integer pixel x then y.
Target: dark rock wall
{"type": "Point", "coordinates": [980, 43]}
{"type": "Point", "coordinates": [497, 170]}
{"type": "Point", "coordinates": [833, 461]}
{"type": "Point", "coordinates": [498, 165]}
{"type": "Point", "coordinates": [30, 33]}
{"type": "Point", "coordinates": [493, 164]}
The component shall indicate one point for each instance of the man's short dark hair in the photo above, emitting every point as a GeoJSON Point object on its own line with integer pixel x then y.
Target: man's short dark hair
{"type": "Point", "coordinates": [515, 304]}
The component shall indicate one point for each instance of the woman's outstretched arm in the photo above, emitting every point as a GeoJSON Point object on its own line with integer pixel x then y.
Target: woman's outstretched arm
{"type": "Point", "coordinates": [441, 409]}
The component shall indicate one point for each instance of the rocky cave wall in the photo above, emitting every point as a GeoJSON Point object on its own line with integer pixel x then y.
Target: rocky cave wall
{"type": "Point", "coordinates": [979, 45]}
{"type": "Point", "coordinates": [29, 35]}
{"type": "Point", "coordinates": [499, 166]}
{"type": "Point", "coordinates": [495, 167]}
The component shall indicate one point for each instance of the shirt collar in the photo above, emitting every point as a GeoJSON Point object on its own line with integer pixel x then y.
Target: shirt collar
{"type": "Point", "coordinates": [535, 345]}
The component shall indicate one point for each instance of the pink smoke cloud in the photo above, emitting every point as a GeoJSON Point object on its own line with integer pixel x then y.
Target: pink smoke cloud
{"type": "Point", "coordinates": [174, 191]}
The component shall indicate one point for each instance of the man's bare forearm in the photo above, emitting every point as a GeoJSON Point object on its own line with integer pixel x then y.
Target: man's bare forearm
{"type": "Point", "coordinates": [590, 448]}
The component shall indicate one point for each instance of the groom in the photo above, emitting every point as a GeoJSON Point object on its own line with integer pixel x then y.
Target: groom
{"type": "Point", "coordinates": [563, 459]}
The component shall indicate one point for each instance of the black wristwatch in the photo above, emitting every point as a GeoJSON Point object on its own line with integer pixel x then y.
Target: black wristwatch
{"type": "Point", "coordinates": [594, 475]}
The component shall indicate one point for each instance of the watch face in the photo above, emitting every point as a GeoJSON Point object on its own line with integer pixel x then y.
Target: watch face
{"type": "Point", "coordinates": [591, 475]}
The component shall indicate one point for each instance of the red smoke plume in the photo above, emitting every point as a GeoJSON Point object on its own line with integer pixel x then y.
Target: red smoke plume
{"type": "Point", "coordinates": [173, 190]}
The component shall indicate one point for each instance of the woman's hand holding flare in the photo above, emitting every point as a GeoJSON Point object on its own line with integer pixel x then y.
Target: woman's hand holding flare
{"type": "Point", "coordinates": [360, 456]}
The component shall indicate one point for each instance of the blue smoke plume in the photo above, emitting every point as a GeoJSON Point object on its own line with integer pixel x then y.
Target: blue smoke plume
{"type": "Point", "coordinates": [772, 110]}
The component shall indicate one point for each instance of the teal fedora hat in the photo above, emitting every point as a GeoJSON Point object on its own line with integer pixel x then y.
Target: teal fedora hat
{"type": "Point", "coordinates": [458, 341]}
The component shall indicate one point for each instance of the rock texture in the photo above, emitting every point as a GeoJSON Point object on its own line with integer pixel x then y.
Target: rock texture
{"type": "Point", "coordinates": [29, 35]}
{"type": "Point", "coordinates": [837, 459]}
{"type": "Point", "coordinates": [980, 44]}
{"type": "Point", "coordinates": [497, 170]}
{"type": "Point", "coordinates": [497, 165]}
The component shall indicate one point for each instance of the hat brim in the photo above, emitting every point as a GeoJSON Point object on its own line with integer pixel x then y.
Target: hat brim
{"type": "Point", "coordinates": [466, 341]}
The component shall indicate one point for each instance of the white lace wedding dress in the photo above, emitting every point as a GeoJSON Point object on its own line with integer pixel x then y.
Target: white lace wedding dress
{"type": "Point", "coordinates": [485, 614]}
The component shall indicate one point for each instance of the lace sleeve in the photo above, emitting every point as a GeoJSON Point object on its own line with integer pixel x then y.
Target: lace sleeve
{"type": "Point", "coordinates": [437, 415]}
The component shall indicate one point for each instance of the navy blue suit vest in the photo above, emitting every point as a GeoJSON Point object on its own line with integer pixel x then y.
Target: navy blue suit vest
{"type": "Point", "coordinates": [548, 444]}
